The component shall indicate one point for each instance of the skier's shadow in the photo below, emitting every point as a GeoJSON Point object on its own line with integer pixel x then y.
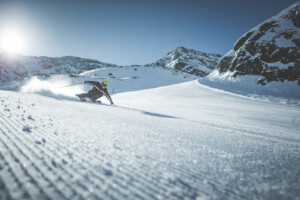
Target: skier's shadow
{"type": "Point", "coordinates": [148, 113]}
{"type": "Point", "coordinates": [157, 115]}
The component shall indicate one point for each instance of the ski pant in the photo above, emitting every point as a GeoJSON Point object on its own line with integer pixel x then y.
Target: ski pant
{"type": "Point", "coordinates": [93, 97]}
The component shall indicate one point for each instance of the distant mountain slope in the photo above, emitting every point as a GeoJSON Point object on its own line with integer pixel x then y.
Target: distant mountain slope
{"type": "Point", "coordinates": [270, 50]}
{"type": "Point", "coordinates": [19, 67]}
{"type": "Point", "coordinates": [189, 61]}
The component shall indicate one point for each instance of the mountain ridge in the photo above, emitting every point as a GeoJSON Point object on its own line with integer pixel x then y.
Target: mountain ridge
{"type": "Point", "coordinates": [19, 67]}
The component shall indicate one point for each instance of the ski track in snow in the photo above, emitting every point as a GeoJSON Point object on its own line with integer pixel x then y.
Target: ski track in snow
{"type": "Point", "coordinates": [58, 149]}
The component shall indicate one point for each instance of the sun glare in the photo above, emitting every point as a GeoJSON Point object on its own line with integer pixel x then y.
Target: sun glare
{"type": "Point", "coordinates": [12, 42]}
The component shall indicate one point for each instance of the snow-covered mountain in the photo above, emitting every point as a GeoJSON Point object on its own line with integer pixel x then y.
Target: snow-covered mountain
{"type": "Point", "coordinates": [20, 67]}
{"type": "Point", "coordinates": [269, 50]}
{"type": "Point", "coordinates": [189, 61]}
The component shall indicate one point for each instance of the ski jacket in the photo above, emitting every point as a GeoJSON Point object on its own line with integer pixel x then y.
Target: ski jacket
{"type": "Point", "coordinates": [98, 90]}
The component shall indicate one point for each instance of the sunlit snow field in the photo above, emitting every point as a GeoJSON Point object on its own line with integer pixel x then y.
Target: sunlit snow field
{"type": "Point", "coordinates": [167, 137]}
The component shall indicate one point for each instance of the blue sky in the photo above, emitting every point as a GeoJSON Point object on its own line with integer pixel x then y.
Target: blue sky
{"type": "Point", "coordinates": [132, 31]}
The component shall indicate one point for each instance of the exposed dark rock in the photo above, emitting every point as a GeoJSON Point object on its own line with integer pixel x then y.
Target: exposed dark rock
{"type": "Point", "coordinates": [287, 34]}
{"type": "Point", "coordinates": [257, 36]}
{"type": "Point", "coordinates": [251, 47]}
{"type": "Point", "coordinates": [296, 15]}
{"type": "Point", "coordinates": [179, 66]}
{"type": "Point", "coordinates": [241, 41]}
{"type": "Point", "coordinates": [224, 64]}
{"type": "Point", "coordinates": [266, 26]}
{"type": "Point", "coordinates": [296, 41]}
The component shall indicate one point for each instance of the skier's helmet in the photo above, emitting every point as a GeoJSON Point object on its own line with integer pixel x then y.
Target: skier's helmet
{"type": "Point", "coordinates": [104, 83]}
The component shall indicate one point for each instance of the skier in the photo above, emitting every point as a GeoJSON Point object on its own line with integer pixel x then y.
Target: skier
{"type": "Point", "coordinates": [98, 90]}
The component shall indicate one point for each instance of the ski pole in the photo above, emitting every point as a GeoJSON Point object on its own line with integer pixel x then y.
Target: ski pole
{"type": "Point", "coordinates": [70, 85]}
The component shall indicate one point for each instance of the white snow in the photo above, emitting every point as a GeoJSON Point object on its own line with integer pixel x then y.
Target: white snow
{"type": "Point", "coordinates": [283, 42]}
{"type": "Point", "coordinates": [280, 65]}
{"type": "Point", "coordinates": [167, 137]}
{"type": "Point", "coordinates": [287, 92]}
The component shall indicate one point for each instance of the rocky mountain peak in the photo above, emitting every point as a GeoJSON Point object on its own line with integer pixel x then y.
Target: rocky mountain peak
{"type": "Point", "coordinates": [270, 50]}
{"type": "Point", "coordinates": [189, 61]}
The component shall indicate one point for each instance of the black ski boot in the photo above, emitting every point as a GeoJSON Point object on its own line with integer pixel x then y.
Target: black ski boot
{"type": "Point", "coordinates": [95, 101]}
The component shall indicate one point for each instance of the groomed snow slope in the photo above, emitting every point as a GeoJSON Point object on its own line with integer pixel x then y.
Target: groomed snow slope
{"type": "Point", "coordinates": [183, 141]}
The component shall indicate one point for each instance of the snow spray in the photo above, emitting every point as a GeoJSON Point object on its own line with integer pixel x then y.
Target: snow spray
{"type": "Point", "coordinates": [53, 86]}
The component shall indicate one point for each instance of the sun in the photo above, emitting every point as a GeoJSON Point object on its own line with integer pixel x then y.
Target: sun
{"type": "Point", "coordinates": [12, 42]}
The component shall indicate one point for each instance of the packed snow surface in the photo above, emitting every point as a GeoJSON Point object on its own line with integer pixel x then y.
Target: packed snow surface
{"type": "Point", "coordinates": [178, 141]}
{"type": "Point", "coordinates": [287, 92]}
